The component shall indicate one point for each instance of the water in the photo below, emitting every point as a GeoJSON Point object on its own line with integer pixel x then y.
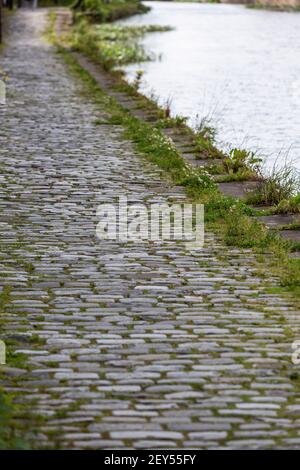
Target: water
{"type": "Point", "coordinates": [237, 66]}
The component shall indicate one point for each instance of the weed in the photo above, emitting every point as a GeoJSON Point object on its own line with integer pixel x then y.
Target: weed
{"type": "Point", "coordinates": [167, 108]}
{"type": "Point", "coordinates": [245, 232]}
{"type": "Point", "coordinates": [99, 10]}
{"type": "Point", "coordinates": [110, 44]}
{"type": "Point", "coordinates": [281, 183]}
{"type": "Point", "coordinates": [288, 206]}
{"type": "Point", "coordinates": [138, 79]}
{"type": "Point", "coordinates": [242, 162]}
{"type": "Point", "coordinates": [176, 121]}
{"type": "Point", "coordinates": [205, 135]}
{"type": "Point", "coordinates": [9, 439]}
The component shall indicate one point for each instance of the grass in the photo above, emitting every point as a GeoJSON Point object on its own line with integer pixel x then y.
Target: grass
{"type": "Point", "coordinates": [165, 122]}
{"type": "Point", "coordinates": [12, 435]}
{"type": "Point", "coordinates": [243, 163]}
{"type": "Point", "coordinates": [281, 184]}
{"type": "Point", "coordinates": [9, 436]}
{"type": "Point", "coordinates": [236, 165]}
{"type": "Point", "coordinates": [245, 232]}
{"type": "Point", "coordinates": [110, 44]}
{"type": "Point", "coordinates": [265, 6]}
{"type": "Point", "coordinates": [101, 11]}
{"type": "Point", "coordinates": [204, 139]}
{"type": "Point", "coordinates": [289, 206]}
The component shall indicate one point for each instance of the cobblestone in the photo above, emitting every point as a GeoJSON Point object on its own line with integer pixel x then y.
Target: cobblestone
{"type": "Point", "coordinates": [140, 345]}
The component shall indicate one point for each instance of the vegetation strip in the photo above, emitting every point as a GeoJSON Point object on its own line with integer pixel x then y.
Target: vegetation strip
{"type": "Point", "coordinates": [97, 10]}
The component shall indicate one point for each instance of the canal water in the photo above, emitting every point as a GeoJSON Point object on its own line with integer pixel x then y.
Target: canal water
{"type": "Point", "coordinates": [237, 67]}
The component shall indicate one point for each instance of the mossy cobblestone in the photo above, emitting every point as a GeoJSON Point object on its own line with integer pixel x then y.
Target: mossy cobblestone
{"type": "Point", "coordinates": [126, 345]}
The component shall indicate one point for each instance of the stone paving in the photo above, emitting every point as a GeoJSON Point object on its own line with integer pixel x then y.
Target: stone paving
{"type": "Point", "coordinates": [140, 345]}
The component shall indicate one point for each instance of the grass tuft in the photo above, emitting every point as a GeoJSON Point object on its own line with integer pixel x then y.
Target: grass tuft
{"type": "Point", "coordinates": [111, 44]}
{"type": "Point", "coordinates": [281, 184]}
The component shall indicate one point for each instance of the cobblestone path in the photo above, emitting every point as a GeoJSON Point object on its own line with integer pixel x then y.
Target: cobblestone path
{"type": "Point", "coordinates": [140, 345]}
